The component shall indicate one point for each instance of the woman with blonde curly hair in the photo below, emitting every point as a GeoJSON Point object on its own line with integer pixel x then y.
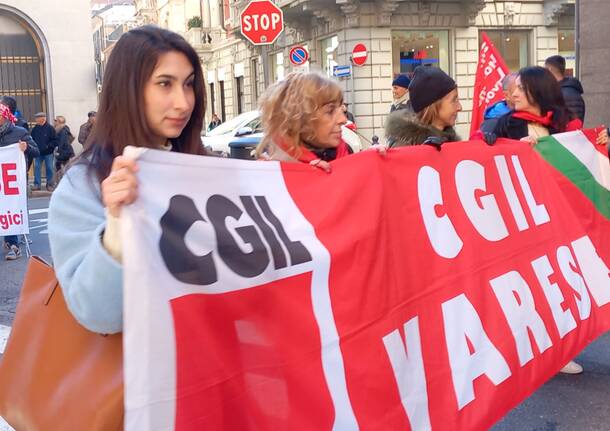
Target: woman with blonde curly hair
{"type": "Point", "coordinates": [302, 117]}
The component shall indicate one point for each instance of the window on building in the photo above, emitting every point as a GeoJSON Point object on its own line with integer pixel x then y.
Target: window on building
{"type": "Point", "coordinates": [239, 87]}
{"type": "Point", "coordinates": [329, 52]}
{"type": "Point", "coordinates": [212, 98]}
{"type": "Point", "coordinates": [567, 41]}
{"type": "Point", "coordinates": [412, 48]}
{"type": "Point", "coordinates": [22, 67]}
{"type": "Point", "coordinates": [514, 46]}
{"type": "Point", "coordinates": [254, 82]}
{"type": "Point", "coordinates": [223, 108]}
{"type": "Point", "coordinates": [277, 66]}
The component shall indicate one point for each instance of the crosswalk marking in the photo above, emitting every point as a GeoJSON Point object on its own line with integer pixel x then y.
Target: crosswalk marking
{"type": "Point", "coordinates": [38, 211]}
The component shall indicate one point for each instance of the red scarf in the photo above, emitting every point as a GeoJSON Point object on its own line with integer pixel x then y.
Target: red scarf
{"type": "Point", "coordinates": [304, 155]}
{"type": "Point", "coordinates": [547, 120]}
{"type": "Point", "coordinates": [6, 113]}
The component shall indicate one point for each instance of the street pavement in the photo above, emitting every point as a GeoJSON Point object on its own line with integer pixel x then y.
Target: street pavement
{"type": "Point", "coordinates": [565, 403]}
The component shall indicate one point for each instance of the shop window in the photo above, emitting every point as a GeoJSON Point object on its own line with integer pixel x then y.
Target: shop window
{"type": "Point", "coordinates": [419, 48]}
{"type": "Point", "coordinates": [223, 107]}
{"type": "Point", "coordinates": [254, 82]}
{"type": "Point", "coordinates": [566, 41]}
{"type": "Point", "coordinates": [239, 86]}
{"type": "Point", "coordinates": [212, 98]}
{"type": "Point", "coordinates": [514, 46]}
{"type": "Point", "coordinates": [277, 66]}
{"type": "Point", "coordinates": [329, 54]}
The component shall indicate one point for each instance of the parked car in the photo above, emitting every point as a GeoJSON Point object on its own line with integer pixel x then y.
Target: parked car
{"type": "Point", "coordinates": [244, 124]}
{"type": "Point", "coordinates": [244, 147]}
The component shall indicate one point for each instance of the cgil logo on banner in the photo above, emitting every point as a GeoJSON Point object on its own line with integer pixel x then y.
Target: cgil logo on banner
{"type": "Point", "coordinates": [188, 267]}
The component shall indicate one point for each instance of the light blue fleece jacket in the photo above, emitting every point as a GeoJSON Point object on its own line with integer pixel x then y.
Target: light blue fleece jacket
{"type": "Point", "coordinates": [91, 280]}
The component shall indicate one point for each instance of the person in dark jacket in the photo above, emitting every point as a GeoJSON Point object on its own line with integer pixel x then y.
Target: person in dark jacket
{"type": "Point", "coordinates": [400, 93]}
{"type": "Point", "coordinates": [435, 102]}
{"type": "Point", "coordinates": [11, 103]}
{"type": "Point", "coordinates": [11, 134]}
{"type": "Point", "coordinates": [571, 88]}
{"type": "Point", "coordinates": [64, 143]}
{"type": "Point", "coordinates": [85, 128]}
{"type": "Point", "coordinates": [540, 109]}
{"type": "Point", "coordinates": [45, 137]}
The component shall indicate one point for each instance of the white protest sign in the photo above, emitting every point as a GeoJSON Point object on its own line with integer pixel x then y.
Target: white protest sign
{"type": "Point", "coordinates": [13, 192]}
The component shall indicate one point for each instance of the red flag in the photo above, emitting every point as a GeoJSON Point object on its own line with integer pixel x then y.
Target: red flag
{"type": "Point", "coordinates": [488, 83]}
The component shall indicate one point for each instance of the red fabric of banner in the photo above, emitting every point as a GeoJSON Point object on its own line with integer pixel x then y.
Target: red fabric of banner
{"type": "Point", "coordinates": [251, 359]}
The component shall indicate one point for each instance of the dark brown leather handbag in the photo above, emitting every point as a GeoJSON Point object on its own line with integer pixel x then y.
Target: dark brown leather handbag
{"type": "Point", "coordinates": [55, 374]}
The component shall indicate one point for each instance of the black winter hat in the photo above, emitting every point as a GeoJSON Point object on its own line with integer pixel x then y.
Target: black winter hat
{"type": "Point", "coordinates": [428, 85]}
{"type": "Point", "coordinates": [401, 81]}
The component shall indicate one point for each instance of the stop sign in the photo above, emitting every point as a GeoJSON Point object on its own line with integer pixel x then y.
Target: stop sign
{"type": "Point", "coordinates": [262, 22]}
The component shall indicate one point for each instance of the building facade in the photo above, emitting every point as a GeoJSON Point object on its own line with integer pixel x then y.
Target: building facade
{"type": "Point", "coordinates": [594, 60]}
{"type": "Point", "coordinates": [46, 64]}
{"type": "Point", "coordinates": [109, 21]}
{"type": "Point", "coordinates": [399, 36]}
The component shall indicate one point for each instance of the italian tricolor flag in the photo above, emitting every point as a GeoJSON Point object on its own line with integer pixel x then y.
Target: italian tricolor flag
{"type": "Point", "coordinates": [584, 176]}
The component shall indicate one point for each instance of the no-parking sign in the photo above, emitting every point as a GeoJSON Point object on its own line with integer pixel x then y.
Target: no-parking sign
{"type": "Point", "coordinates": [299, 55]}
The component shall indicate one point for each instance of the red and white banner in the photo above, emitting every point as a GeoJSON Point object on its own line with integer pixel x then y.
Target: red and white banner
{"type": "Point", "coordinates": [13, 192]}
{"type": "Point", "coordinates": [491, 69]}
{"type": "Point", "coordinates": [422, 290]}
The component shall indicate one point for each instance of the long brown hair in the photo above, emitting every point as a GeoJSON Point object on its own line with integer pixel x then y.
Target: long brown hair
{"type": "Point", "coordinates": [542, 89]}
{"type": "Point", "coordinates": [121, 118]}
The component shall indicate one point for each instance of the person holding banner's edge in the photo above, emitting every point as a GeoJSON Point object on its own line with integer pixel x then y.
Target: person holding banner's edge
{"type": "Point", "coordinates": [12, 134]}
{"type": "Point", "coordinates": [153, 96]}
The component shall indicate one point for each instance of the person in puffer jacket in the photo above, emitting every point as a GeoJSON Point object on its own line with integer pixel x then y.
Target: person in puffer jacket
{"type": "Point", "coordinates": [435, 102]}
{"type": "Point", "coordinates": [571, 88]}
{"type": "Point", "coordinates": [64, 150]}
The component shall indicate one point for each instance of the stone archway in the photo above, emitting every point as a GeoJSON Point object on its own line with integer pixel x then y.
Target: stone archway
{"type": "Point", "coordinates": [23, 73]}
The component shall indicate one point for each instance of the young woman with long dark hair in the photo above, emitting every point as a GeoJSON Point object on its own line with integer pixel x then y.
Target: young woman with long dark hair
{"type": "Point", "coordinates": [153, 96]}
{"type": "Point", "coordinates": [540, 109]}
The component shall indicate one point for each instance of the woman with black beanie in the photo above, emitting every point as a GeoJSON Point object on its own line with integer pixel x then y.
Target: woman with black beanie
{"type": "Point", "coordinates": [435, 101]}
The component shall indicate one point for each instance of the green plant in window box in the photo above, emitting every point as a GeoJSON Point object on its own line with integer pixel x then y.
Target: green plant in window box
{"type": "Point", "coordinates": [194, 22]}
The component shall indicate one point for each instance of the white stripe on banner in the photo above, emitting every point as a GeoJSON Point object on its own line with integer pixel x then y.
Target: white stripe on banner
{"type": "Point", "coordinates": [581, 148]}
{"type": "Point", "coordinates": [150, 384]}
{"type": "Point", "coordinates": [4, 426]}
{"type": "Point", "coordinates": [5, 331]}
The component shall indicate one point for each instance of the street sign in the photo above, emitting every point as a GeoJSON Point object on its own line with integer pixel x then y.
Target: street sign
{"type": "Point", "coordinates": [262, 22]}
{"type": "Point", "coordinates": [359, 54]}
{"type": "Point", "coordinates": [299, 55]}
{"type": "Point", "coordinates": [342, 71]}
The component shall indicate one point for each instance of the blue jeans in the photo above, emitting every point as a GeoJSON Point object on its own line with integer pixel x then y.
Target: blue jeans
{"type": "Point", "coordinates": [48, 165]}
{"type": "Point", "coordinates": [12, 240]}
